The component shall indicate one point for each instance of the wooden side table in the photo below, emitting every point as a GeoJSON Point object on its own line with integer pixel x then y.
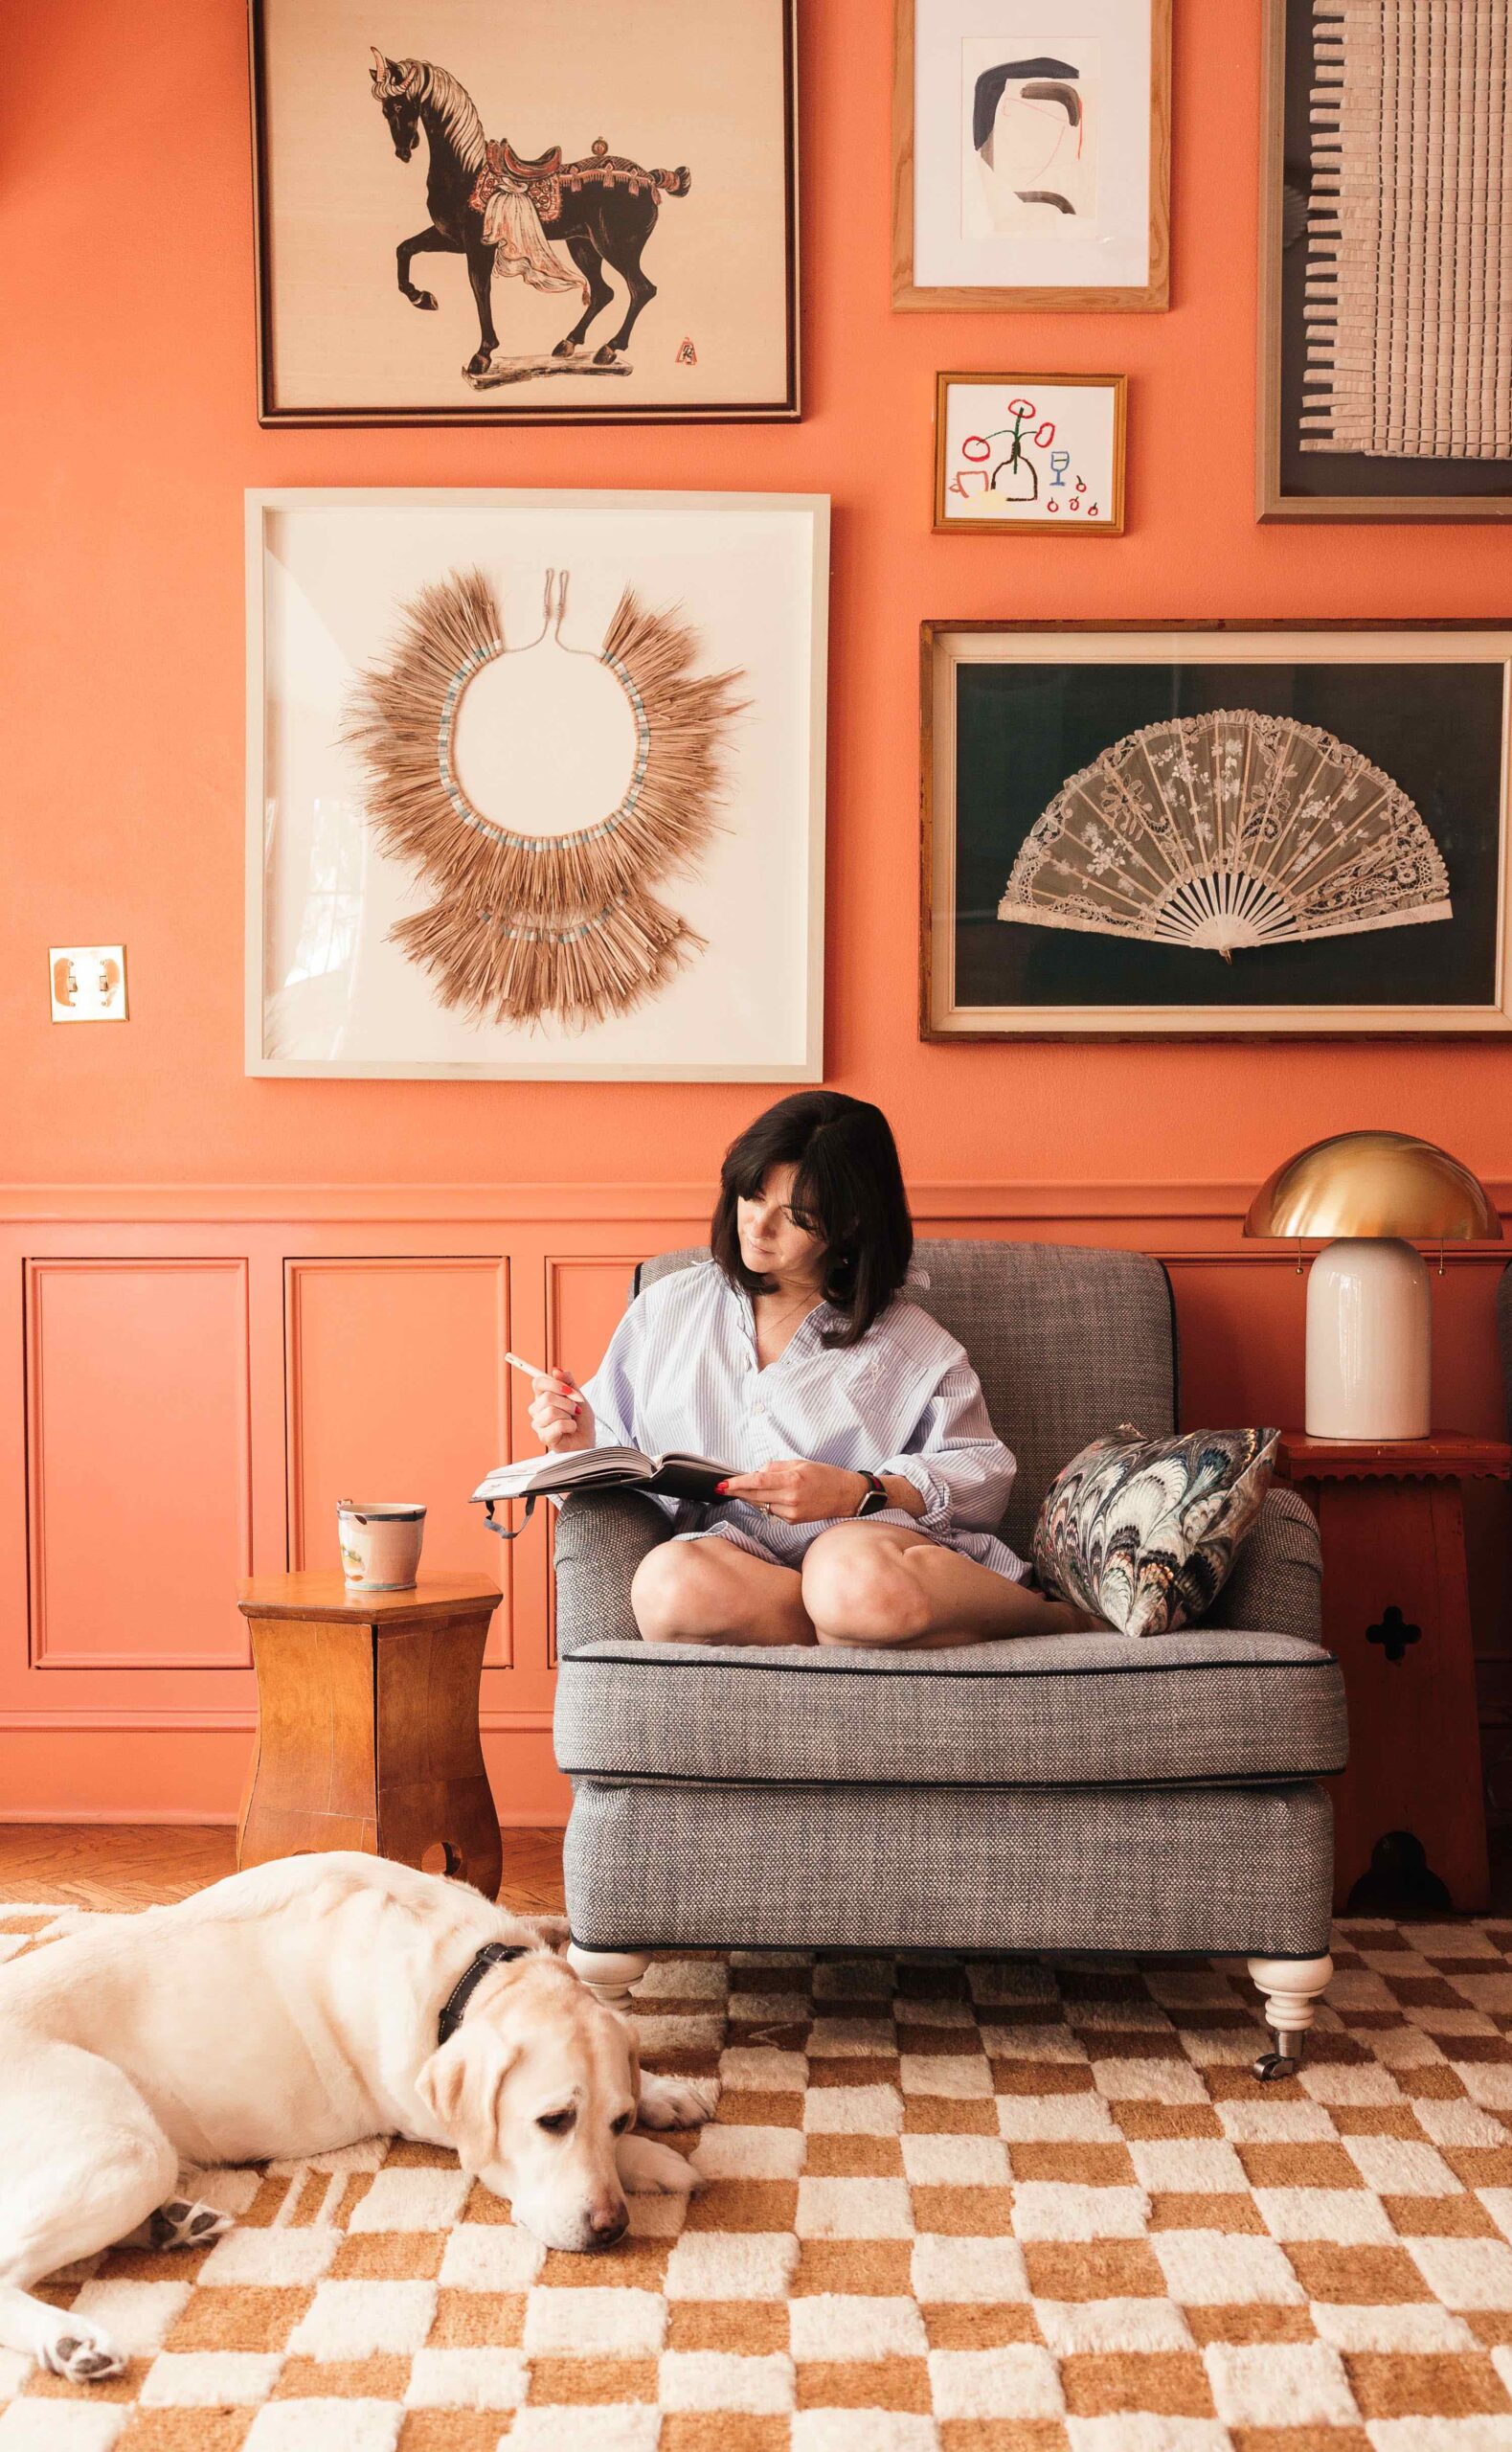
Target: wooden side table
{"type": "Point", "coordinates": [368, 1723]}
{"type": "Point", "coordinates": [1396, 1610]}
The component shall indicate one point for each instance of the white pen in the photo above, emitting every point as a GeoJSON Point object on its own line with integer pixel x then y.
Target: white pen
{"type": "Point", "coordinates": [534, 1370]}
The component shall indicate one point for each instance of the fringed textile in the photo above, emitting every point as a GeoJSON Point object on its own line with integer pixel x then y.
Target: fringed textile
{"type": "Point", "coordinates": [1409, 299]}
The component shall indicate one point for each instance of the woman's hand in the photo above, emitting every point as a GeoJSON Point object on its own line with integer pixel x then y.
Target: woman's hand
{"type": "Point", "coordinates": [560, 1414]}
{"type": "Point", "coordinates": [798, 1491]}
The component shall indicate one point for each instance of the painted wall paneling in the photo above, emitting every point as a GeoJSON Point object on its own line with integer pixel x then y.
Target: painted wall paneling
{"type": "Point", "coordinates": [371, 1325]}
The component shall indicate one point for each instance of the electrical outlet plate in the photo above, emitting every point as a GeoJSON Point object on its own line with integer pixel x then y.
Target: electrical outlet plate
{"type": "Point", "coordinates": [88, 983]}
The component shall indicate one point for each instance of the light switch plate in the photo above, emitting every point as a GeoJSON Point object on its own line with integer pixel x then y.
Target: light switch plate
{"type": "Point", "coordinates": [88, 983]}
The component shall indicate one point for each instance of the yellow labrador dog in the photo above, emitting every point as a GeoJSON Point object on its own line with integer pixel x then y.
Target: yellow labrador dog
{"type": "Point", "coordinates": [292, 2008]}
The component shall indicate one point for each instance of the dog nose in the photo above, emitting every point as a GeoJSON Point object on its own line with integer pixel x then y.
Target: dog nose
{"type": "Point", "coordinates": [608, 2223]}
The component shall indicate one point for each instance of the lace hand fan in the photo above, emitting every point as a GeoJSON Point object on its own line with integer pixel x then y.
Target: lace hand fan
{"type": "Point", "coordinates": [538, 911]}
{"type": "Point", "coordinates": [1225, 830]}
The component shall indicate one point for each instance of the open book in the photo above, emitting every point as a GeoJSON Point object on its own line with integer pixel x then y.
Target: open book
{"type": "Point", "coordinates": [600, 1468]}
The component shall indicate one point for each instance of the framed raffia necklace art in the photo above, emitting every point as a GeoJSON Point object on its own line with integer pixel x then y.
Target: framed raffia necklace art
{"type": "Point", "coordinates": [535, 784]}
{"type": "Point", "coordinates": [1386, 260]}
{"type": "Point", "coordinates": [1213, 830]}
{"type": "Point", "coordinates": [557, 211]}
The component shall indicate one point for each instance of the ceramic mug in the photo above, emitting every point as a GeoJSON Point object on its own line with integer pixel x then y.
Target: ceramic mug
{"type": "Point", "coordinates": [380, 1544]}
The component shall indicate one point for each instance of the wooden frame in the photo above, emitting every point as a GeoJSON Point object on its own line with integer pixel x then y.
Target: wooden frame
{"type": "Point", "coordinates": [1151, 296]}
{"type": "Point", "coordinates": [786, 409]}
{"type": "Point", "coordinates": [1273, 502]}
{"type": "Point", "coordinates": [813, 510]}
{"type": "Point", "coordinates": [1112, 525]}
{"type": "Point", "coordinates": [943, 1019]}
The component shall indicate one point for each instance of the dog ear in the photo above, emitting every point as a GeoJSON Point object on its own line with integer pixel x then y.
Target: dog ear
{"type": "Point", "coordinates": [461, 2085]}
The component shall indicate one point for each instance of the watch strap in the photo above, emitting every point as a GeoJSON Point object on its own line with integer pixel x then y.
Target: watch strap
{"type": "Point", "coordinates": [876, 1497]}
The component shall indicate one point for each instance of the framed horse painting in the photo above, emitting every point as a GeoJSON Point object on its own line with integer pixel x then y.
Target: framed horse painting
{"type": "Point", "coordinates": [565, 210]}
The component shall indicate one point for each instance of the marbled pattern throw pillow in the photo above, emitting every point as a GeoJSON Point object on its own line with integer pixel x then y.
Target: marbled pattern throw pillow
{"type": "Point", "coordinates": [1145, 1531]}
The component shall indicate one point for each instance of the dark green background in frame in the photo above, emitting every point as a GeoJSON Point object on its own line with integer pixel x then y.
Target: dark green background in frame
{"type": "Point", "coordinates": [1022, 729]}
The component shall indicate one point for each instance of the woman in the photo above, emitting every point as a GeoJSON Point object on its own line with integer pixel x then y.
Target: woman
{"type": "Point", "coordinates": [868, 1474]}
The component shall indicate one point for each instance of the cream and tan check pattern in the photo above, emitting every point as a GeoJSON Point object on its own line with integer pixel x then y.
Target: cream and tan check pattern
{"type": "Point", "coordinates": [984, 2207]}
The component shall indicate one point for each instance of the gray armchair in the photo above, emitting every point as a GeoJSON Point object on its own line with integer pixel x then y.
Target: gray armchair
{"type": "Point", "coordinates": [1077, 1792]}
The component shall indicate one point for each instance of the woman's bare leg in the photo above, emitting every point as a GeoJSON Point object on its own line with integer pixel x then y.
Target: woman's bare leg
{"type": "Point", "coordinates": [877, 1583]}
{"type": "Point", "coordinates": [711, 1592]}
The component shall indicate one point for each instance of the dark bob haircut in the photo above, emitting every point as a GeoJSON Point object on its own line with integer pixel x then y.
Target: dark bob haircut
{"type": "Point", "coordinates": [847, 1191]}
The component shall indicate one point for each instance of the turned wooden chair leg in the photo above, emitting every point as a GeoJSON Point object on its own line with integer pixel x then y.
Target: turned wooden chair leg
{"type": "Point", "coordinates": [609, 1974]}
{"type": "Point", "coordinates": [1293, 1987]}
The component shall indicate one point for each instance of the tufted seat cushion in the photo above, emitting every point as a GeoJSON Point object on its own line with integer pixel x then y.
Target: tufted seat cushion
{"type": "Point", "coordinates": [1054, 1711]}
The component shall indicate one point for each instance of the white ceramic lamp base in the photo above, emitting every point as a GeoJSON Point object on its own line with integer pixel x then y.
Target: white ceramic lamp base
{"type": "Point", "coordinates": [1370, 1341]}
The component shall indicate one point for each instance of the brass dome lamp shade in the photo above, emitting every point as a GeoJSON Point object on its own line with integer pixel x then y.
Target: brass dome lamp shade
{"type": "Point", "coordinates": [1370, 1306]}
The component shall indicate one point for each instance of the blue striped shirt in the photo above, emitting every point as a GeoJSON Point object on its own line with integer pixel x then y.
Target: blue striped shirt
{"type": "Point", "coordinates": [681, 1374]}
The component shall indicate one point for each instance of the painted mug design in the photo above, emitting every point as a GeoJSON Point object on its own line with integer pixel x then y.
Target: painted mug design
{"type": "Point", "coordinates": [380, 1543]}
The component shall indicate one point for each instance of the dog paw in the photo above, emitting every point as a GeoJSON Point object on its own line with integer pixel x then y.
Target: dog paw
{"type": "Point", "coordinates": [185, 2222]}
{"type": "Point", "coordinates": [80, 2352]}
{"type": "Point", "coordinates": [650, 2170]}
{"type": "Point", "coordinates": [676, 2102]}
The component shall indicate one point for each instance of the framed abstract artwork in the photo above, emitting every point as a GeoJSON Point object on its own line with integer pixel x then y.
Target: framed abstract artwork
{"type": "Point", "coordinates": [1214, 829]}
{"type": "Point", "coordinates": [536, 786]}
{"type": "Point", "coordinates": [1385, 237]}
{"type": "Point", "coordinates": [557, 211]}
{"type": "Point", "coordinates": [1036, 454]}
{"type": "Point", "coordinates": [1031, 154]}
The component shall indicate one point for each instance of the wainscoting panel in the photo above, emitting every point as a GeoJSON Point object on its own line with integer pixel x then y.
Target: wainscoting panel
{"type": "Point", "coordinates": [191, 1377]}
{"type": "Point", "coordinates": [139, 1480]}
{"type": "Point", "coordinates": [396, 1389]}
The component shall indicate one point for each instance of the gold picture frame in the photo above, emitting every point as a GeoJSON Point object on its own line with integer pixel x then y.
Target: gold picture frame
{"type": "Point", "coordinates": [1150, 294]}
{"type": "Point", "coordinates": [1068, 492]}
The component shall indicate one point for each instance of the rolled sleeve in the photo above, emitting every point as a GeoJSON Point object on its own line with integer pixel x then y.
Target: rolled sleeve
{"type": "Point", "coordinates": [954, 1459]}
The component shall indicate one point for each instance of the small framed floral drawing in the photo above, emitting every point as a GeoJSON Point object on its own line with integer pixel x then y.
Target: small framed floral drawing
{"type": "Point", "coordinates": [1039, 453]}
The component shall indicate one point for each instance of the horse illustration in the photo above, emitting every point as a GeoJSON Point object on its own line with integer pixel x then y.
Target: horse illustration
{"type": "Point", "coordinates": [604, 208]}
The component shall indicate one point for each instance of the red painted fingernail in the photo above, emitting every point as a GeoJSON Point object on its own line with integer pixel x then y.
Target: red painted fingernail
{"type": "Point", "coordinates": [720, 1489]}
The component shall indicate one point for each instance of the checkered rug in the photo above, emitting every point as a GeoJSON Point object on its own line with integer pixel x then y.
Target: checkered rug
{"type": "Point", "coordinates": [992, 2206]}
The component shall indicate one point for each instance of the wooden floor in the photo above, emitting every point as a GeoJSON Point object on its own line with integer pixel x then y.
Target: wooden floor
{"type": "Point", "coordinates": [75, 1864]}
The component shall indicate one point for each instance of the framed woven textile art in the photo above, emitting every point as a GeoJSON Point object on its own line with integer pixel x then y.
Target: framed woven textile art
{"type": "Point", "coordinates": [1213, 830]}
{"type": "Point", "coordinates": [535, 784]}
{"type": "Point", "coordinates": [1386, 260]}
{"type": "Point", "coordinates": [561, 210]}
{"type": "Point", "coordinates": [1042, 454]}
{"type": "Point", "coordinates": [1031, 154]}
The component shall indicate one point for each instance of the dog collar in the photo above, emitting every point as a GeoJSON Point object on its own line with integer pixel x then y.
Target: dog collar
{"type": "Point", "coordinates": [492, 1954]}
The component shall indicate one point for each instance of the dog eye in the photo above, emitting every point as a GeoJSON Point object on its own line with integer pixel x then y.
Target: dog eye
{"type": "Point", "coordinates": [621, 2125]}
{"type": "Point", "coordinates": [557, 2122]}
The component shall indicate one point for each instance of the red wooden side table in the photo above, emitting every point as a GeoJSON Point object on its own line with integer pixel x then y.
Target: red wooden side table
{"type": "Point", "coordinates": [1410, 1817]}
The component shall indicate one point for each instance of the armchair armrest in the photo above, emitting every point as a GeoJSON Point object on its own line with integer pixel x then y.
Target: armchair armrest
{"type": "Point", "coordinates": [1277, 1582]}
{"type": "Point", "coordinates": [601, 1538]}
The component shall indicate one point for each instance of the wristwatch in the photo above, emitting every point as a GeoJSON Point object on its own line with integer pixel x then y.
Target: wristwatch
{"type": "Point", "coordinates": [876, 1497]}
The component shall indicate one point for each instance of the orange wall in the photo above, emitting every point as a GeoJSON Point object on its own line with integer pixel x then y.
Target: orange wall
{"type": "Point", "coordinates": [125, 254]}
{"type": "Point", "coordinates": [244, 1323]}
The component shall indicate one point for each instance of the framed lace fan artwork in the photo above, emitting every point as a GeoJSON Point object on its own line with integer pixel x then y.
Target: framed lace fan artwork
{"type": "Point", "coordinates": [545, 212]}
{"type": "Point", "coordinates": [535, 784]}
{"type": "Point", "coordinates": [1213, 829]}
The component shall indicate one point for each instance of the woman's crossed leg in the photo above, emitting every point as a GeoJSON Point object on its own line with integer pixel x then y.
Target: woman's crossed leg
{"type": "Point", "coordinates": [859, 1584]}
